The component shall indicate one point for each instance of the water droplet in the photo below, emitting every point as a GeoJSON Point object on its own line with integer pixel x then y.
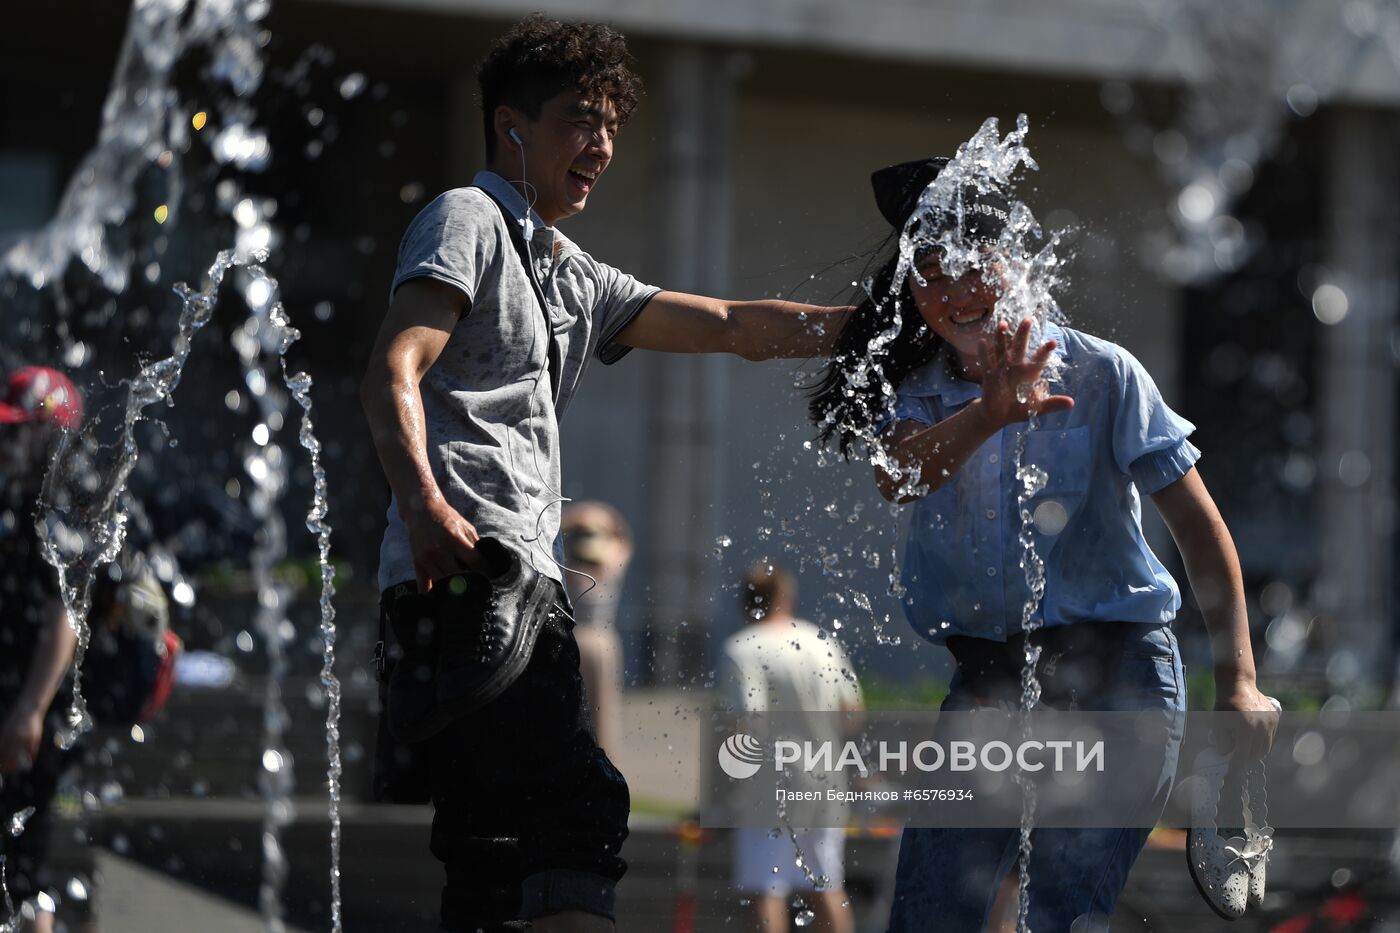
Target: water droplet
{"type": "Point", "coordinates": [18, 821]}
{"type": "Point", "coordinates": [352, 85]}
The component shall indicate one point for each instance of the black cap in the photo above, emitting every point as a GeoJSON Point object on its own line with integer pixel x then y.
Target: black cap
{"type": "Point", "coordinates": [898, 187]}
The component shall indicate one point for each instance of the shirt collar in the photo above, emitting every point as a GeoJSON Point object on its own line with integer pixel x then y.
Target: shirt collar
{"type": "Point", "coordinates": [505, 192]}
{"type": "Point", "coordinates": [934, 378]}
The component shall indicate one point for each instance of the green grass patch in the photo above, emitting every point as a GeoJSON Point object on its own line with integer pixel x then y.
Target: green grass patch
{"type": "Point", "coordinates": [923, 693]}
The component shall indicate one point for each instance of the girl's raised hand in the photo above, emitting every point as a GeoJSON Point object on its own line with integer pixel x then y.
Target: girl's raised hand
{"type": "Point", "coordinates": [1012, 386]}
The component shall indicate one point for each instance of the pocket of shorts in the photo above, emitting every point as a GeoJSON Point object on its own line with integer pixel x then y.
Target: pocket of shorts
{"type": "Point", "coordinates": [1154, 642]}
{"type": "Point", "coordinates": [1144, 683]}
{"type": "Point", "coordinates": [1151, 667]}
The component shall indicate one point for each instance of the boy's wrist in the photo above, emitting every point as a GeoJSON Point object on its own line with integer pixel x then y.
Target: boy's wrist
{"type": "Point", "coordinates": [421, 503]}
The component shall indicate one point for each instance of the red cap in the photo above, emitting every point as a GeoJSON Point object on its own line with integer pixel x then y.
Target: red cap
{"type": "Point", "coordinates": [38, 393]}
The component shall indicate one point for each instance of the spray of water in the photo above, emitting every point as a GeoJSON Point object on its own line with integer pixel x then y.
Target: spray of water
{"type": "Point", "coordinates": [1032, 479]}
{"type": "Point", "coordinates": [12, 918]}
{"type": "Point", "coordinates": [83, 507]}
{"type": "Point", "coordinates": [14, 830]}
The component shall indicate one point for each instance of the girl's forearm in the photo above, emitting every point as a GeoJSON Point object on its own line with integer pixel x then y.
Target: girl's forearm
{"type": "Point", "coordinates": [931, 455]}
{"type": "Point", "coordinates": [1213, 569]}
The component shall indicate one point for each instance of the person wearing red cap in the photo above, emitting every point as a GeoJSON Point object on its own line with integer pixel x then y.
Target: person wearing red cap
{"type": "Point", "coordinates": [36, 642]}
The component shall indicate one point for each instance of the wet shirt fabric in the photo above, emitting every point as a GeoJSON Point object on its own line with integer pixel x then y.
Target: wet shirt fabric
{"type": "Point", "coordinates": [491, 414]}
{"type": "Point", "coordinates": [962, 568]}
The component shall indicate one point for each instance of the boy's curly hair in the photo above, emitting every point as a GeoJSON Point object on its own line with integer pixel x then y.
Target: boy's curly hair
{"type": "Point", "coordinates": [541, 57]}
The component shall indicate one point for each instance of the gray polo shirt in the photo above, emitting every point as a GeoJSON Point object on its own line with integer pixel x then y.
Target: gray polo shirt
{"type": "Point", "coordinates": [492, 423]}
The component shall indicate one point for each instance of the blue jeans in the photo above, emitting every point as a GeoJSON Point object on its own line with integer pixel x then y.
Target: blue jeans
{"type": "Point", "coordinates": [948, 879]}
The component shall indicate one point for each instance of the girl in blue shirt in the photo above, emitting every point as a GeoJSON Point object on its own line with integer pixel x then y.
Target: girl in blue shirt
{"type": "Point", "coordinates": [1105, 438]}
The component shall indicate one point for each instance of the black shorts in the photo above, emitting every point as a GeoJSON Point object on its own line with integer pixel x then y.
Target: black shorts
{"type": "Point", "coordinates": [530, 815]}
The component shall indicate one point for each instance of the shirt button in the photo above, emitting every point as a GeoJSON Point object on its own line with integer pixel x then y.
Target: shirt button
{"type": "Point", "coordinates": [991, 513]}
{"type": "Point", "coordinates": [994, 458]}
{"type": "Point", "coordinates": [991, 571]}
{"type": "Point", "coordinates": [997, 629]}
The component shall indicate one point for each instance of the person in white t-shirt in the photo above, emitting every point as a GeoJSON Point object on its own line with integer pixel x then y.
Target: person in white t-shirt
{"type": "Point", "coordinates": [778, 662]}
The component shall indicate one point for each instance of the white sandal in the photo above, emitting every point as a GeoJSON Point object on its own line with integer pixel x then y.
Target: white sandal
{"type": "Point", "coordinates": [1229, 873]}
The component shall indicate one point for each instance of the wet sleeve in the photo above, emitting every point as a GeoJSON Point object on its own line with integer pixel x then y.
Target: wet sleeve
{"type": "Point", "coordinates": [906, 408]}
{"type": "Point", "coordinates": [1149, 439]}
{"type": "Point", "coordinates": [451, 240]}
{"type": "Point", "coordinates": [620, 299]}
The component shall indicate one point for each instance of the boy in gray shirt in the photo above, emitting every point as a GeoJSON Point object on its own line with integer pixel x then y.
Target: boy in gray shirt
{"type": "Point", "coordinates": [476, 361]}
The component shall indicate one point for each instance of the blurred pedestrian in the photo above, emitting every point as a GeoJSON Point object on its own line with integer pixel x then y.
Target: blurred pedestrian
{"type": "Point", "coordinates": [598, 542]}
{"type": "Point", "coordinates": [780, 663]}
{"type": "Point", "coordinates": [36, 641]}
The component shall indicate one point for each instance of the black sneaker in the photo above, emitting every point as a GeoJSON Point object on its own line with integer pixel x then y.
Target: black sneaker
{"type": "Point", "coordinates": [465, 641]}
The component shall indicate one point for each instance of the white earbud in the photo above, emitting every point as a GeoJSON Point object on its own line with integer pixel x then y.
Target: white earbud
{"type": "Point", "coordinates": [526, 223]}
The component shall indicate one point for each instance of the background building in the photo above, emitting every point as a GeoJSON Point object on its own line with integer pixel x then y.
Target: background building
{"type": "Point", "coordinates": [745, 174]}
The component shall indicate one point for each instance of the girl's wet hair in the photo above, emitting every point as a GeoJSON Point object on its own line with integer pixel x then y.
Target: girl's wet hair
{"type": "Point", "coordinates": [845, 409]}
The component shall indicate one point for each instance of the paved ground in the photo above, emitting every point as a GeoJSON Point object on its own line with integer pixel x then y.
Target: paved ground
{"type": "Point", "coordinates": [193, 862]}
{"type": "Point", "coordinates": [132, 898]}
{"type": "Point", "coordinates": [662, 732]}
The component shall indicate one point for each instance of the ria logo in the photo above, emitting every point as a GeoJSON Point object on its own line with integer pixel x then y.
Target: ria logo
{"type": "Point", "coordinates": [741, 756]}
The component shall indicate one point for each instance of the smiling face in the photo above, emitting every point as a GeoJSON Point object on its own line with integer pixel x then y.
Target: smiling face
{"type": "Point", "coordinates": [565, 151]}
{"type": "Point", "coordinates": [957, 310]}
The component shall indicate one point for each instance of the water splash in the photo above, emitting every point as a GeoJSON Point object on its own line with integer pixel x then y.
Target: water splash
{"type": "Point", "coordinates": [143, 126]}
{"type": "Point", "coordinates": [82, 530]}
{"type": "Point", "coordinates": [300, 386]}
{"type": "Point", "coordinates": [1025, 270]}
{"type": "Point", "coordinates": [84, 508]}
{"type": "Point", "coordinates": [18, 821]}
{"type": "Point", "coordinates": [1032, 480]}
{"type": "Point", "coordinates": [79, 537]}
{"type": "Point", "coordinates": [1024, 275]}
{"type": "Point", "coordinates": [1022, 265]}
{"type": "Point", "coordinates": [12, 917]}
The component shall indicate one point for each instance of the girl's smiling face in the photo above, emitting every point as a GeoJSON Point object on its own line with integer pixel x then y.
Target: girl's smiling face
{"type": "Point", "coordinates": [957, 310]}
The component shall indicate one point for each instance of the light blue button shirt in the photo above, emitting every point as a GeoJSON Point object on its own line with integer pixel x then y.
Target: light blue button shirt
{"type": "Point", "coordinates": [962, 566]}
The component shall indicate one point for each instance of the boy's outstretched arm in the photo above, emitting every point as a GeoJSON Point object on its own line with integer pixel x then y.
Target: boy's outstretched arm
{"type": "Point", "coordinates": [756, 330]}
{"type": "Point", "coordinates": [1213, 568]}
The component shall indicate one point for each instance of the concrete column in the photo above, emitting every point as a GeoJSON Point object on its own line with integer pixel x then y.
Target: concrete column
{"type": "Point", "coordinates": [693, 97]}
{"type": "Point", "coordinates": [1357, 405]}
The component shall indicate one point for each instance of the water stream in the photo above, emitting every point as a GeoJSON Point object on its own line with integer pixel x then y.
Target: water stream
{"type": "Point", "coordinates": [1025, 270]}
{"type": "Point", "coordinates": [85, 501]}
